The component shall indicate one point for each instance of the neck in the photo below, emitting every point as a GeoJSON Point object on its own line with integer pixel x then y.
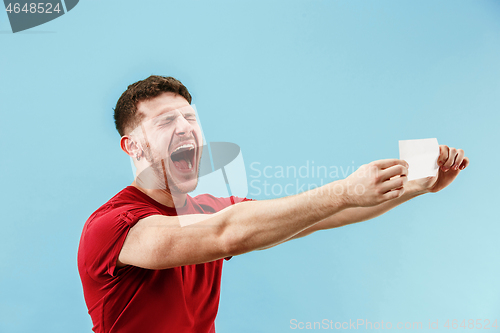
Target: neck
{"type": "Point", "coordinates": [165, 197]}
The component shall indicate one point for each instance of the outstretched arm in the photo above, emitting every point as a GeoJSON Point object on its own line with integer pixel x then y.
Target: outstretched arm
{"type": "Point", "coordinates": [451, 161]}
{"type": "Point", "coordinates": [160, 242]}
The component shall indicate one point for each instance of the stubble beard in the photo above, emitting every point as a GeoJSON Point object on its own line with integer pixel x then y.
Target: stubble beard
{"type": "Point", "coordinates": [164, 180]}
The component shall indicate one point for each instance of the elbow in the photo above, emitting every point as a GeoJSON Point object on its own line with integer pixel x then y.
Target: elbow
{"type": "Point", "coordinates": [234, 240]}
{"type": "Point", "coordinates": [235, 235]}
{"type": "Point", "coordinates": [231, 243]}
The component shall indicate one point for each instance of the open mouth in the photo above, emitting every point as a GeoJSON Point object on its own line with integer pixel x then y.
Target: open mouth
{"type": "Point", "coordinates": [183, 157]}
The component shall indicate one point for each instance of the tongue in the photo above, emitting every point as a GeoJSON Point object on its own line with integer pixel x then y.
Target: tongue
{"type": "Point", "coordinates": [181, 164]}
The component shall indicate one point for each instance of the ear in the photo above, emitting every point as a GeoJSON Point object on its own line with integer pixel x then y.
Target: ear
{"type": "Point", "coordinates": [130, 146]}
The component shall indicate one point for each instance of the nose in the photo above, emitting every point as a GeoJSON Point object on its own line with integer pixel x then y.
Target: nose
{"type": "Point", "coordinates": [183, 127]}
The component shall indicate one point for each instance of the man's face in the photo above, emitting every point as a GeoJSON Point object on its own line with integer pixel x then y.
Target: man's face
{"type": "Point", "coordinates": [172, 140]}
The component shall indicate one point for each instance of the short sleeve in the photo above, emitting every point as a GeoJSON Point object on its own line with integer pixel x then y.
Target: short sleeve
{"type": "Point", "coordinates": [105, 233]}
{"type": "Point", "coordinates": [234, 200]}
{"type": "Point", "coordinates": [211, 204]}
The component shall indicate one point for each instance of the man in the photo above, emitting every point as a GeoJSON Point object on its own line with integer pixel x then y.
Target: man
{"type": "Point", "coordinates": [150, 259]}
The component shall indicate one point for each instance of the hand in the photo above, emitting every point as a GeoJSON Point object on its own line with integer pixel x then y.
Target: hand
{"type": "Point", "coordinates": [375, 183]}
{"type": "Point", "coordinates": [450, 161]}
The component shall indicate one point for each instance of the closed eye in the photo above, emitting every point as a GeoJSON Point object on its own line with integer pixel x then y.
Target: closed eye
{"type": "Point", "coordinates": [190, 116]}
{"type": "Point", "coordinates": [166, 121]}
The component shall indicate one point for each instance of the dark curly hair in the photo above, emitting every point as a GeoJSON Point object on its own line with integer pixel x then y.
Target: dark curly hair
{"type": "Point", "coordinates": [126, 115]}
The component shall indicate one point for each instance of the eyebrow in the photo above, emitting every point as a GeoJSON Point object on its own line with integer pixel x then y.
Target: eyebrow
{"type": "Point", "coordinates": [189, 114]}
{"type": "Point", "coordinates": [170, 115]}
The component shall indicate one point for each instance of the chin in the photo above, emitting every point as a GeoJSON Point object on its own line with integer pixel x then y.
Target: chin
{"type": "Point", "coordinates": [186, 186]}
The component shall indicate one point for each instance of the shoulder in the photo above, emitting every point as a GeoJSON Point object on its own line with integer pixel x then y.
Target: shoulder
{"type": "Point", "coordinates": [127, 206]}
{"type": "Point", "coordinates": [106, 229]}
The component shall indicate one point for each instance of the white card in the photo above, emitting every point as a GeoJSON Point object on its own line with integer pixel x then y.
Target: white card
{"type": "Point", "coordinates": [421, 155]}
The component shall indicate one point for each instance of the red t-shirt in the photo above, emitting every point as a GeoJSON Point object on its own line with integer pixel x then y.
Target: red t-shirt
{"type": "Point", "coordinates": [133, 299]}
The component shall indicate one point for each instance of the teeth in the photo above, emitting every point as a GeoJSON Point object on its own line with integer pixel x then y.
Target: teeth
{"type": "Point", "coordinates": [190, 146]}
{"type": "Point", "coordinates": [189, 164]}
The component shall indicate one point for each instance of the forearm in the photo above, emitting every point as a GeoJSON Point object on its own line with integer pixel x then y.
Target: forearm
{"type": "Point", "coordinates": [360, 214]}
{"type": "Point", "coordinates": [258, 224]}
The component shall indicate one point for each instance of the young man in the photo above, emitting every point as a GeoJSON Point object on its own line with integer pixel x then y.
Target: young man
{"type": "Point", "coordinates": [150, 259]}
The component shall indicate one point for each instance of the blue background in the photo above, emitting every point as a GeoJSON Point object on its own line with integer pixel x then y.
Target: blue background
{"type": "Point", "coordinates": [330, 81]}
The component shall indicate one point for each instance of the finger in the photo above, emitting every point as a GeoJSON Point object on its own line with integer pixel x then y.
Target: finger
{"type": "Point", "coordinates": [443, 154]}
{"type": "Point", "coordinates": [384, 164]}
{"type": "Point", "coordinates": [393, 184]}
{"type": "Point", "coordinates": [458, 159]}
{"type": "Point", "coordinates": [395, 170]}
{"type": "Point", "coordinates": [452, 153]}
{"type": "Point", "coordinates": [465, 163]}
